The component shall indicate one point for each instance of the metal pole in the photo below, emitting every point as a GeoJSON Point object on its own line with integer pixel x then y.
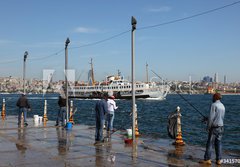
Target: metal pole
{"type": "Point", "coordinates": [24, 70]}
{"type": "Point", "coordinates": [66, 75]}
{"type": "Point", "coordinates": [134, 22]}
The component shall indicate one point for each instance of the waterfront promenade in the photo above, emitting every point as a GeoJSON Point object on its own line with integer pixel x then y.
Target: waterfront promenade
{"type": "Point", "coordinates": [46, 145]}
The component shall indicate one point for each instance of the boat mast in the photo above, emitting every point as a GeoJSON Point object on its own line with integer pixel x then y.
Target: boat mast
{"type": "Point", "coordinates": [92, 73]}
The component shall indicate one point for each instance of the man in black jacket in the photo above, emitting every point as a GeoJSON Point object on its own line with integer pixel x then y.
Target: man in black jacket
{"type": "Point", "coordinates": [23, 105]}
{"type": "Point", "coordinates": [62, 111]}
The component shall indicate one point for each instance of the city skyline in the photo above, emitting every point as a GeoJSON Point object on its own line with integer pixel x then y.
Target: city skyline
{"type": "Point", "coordinates": [176, 39]}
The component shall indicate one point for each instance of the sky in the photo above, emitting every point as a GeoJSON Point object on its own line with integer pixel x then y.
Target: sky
{"type": "Point", "coordinates": [177, 39]}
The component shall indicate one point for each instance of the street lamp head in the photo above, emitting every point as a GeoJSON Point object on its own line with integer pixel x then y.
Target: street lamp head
{"type": "Point", "coordinates": [67, 42]}
{"type": "Point", "coordinates": [134, 23]}
{"type": "Point", "coordinates": [25, 55]}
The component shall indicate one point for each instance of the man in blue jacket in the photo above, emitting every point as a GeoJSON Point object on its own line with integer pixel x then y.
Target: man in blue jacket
{"type": "Point", "coordinates": [215, 130]}
{"type": "Point", "coordinates": [101, 110]}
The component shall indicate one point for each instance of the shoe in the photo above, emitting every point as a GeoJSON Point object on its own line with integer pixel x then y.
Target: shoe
{"type": "Point", "coordinates": [219, 162]}
{"type": "Point", "coordinates": [98, 143]}
{"type": "Point", "coordinates": [56, 124]}
{"type": "Point", "coordinates": [25, 124]}
{"type": "Point", "coordinates": [207, 162]}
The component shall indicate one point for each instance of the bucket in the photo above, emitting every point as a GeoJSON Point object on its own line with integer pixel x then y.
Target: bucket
{"type": "Point", "coordinates": [35, 118]}
{"type": "Point", "coordinates": [69, 125]}
{"type": "Point", "coordinates": [40, 119]}
{"type": "Point", "coordinates": [129, 133]}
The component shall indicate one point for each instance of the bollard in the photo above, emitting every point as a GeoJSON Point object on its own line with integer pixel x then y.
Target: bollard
{"type": "Point", "coordinates": [71, 113]}
{"type": "Point", "coordinates": [3, 113]}
{"type": "Point", "coordinates": [179, 141]}
{"type": "Point", "coordinates": [45, 111]}
{"type": "Point", "coordinates": [136, 123]}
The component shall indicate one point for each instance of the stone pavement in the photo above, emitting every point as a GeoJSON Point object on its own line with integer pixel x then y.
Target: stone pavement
{"type": "Point", "coordinates": [46, 145]}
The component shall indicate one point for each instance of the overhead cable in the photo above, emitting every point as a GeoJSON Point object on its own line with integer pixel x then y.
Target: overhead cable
{"type": "Point", "coordinates": [189, 17]}
{"type": "Point", "coordinates": [101, 41]}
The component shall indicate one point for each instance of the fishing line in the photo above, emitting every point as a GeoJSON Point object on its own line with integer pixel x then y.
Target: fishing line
{"type": "Point", "coordinates": [204, 117]}
{"type": "Point", "coordinates": [123, 124]}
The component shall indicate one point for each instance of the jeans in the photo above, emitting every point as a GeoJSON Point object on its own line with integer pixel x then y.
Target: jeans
{"type": "Point", "coordinates": [20, 111]}
{"type": "Point", "coordinates": [61, 115]}
{"type": "Point", "coordinates": [110, 118]}
{"type": "Point", "coordinates": [99, 130]}
{"type": "Point", "coordinates": [214, 137]}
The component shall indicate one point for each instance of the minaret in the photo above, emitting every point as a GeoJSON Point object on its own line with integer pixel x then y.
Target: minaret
{"type": "Point", "coordinates": [92, 73]}
{"type": "Point", "coordinates": [190, 84]}
{"type": "Point", "coordinates": [147, 72]}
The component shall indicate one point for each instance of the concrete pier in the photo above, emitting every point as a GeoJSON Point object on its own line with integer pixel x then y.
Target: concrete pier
{"type": "Point", "coordinates": [46, 145]}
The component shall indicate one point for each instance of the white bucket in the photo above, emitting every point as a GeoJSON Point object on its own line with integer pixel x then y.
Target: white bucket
{"type": "Point", "coordinates": [35, 118]}
{"type": "Point", "coordinates": [129, 132]}
{"type": "Point", "coordinates": [40, 119]}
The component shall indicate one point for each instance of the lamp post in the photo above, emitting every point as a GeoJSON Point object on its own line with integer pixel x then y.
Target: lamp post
{"type": "Point", "coordinates": [66, 74]}
{"type": "Point", "coordinates": [134, 22]}
{"type": "Point", "coordinates": [24, 70]}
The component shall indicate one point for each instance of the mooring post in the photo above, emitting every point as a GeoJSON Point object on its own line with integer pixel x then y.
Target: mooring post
{"type": "Point", "coordinates": [136, 123]}
{"type": "Point", "coordinates": [179, 141]}
{"type": "Point", "coordinates": [45, 111]}
{"type": "Point", "coordinates": [71, 113]}
{"type": "Point", "coordinates": [3, 113]}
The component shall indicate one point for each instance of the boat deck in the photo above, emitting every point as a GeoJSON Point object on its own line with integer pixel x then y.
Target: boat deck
{"type": "Point", "coordinates": [46, 145]}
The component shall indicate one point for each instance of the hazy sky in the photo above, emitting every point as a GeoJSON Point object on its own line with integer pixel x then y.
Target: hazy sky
{"type": "Point", "coordinates": [176, 38]}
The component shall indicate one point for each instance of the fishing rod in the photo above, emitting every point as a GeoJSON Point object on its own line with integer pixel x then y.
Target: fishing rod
{"type": "Point", "coordinates": [123, 125]}
{"type": "Point", "coordinates": [204, 117]}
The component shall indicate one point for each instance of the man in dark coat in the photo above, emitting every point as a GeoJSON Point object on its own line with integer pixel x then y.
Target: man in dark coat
{"type": "Point", "coordinates": [23, 105]}
{"type": "Point", "coordinates": [101, 110]}
{"type": "Point", "coordinates": [62, 111]}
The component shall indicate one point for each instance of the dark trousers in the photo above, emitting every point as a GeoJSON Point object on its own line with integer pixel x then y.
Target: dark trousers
{"type": "Point", "coordinates": [61, 115]}
{"type": "Point", "coordinates": [20, 111]}
{"type": "Point", "coordinates": [99, 130]}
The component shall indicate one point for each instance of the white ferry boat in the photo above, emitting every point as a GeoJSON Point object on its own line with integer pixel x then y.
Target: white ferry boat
{"type": "Point", "coordinates": [121, 89]}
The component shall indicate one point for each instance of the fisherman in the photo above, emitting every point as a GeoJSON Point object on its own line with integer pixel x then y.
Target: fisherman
{"type": "Point", "coordinates": [24, 106]}
{"type": "Point", "coordinates": [101, 110]}
{"type": "Point", "coordinates": [62, 111]}
{"type": "Point", "coordinates": [110, 114]}
{"type": "Point", "coordinates": [215, 130]}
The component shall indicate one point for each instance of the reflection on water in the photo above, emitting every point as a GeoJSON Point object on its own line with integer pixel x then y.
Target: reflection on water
{"type": "Point", "coordinates": [176, 156]}
{"type": "Point", "coordinates": [65, 140]}
{"type": "Point", "coordinates": [21, 143]}
{"type": "Point", "coordinates": [99, 161]}
{"type": "Point", "coordinates": [62, 141]}
{"type": "Point", "coordinates": [104, 156]}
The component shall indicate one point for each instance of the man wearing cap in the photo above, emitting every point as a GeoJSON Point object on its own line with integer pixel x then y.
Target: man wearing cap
{"type": "Point", "coordinates": [110, 115]}
{"type": "Point", "coordinates": [215, 130]}
{"type": "Point", "coordinates": [101, 110]}
{"type": "Point", "coordinates": [23, 105]}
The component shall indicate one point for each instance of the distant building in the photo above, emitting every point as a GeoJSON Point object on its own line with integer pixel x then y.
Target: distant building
{"type": "Point", "coordinates": [216, 77]}
{"type": "Point", "coordinates": [225, 79]}
{"type": "Point", "coordinates": [207, 79]}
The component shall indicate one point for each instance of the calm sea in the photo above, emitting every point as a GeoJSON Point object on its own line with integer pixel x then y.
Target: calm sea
{"type": "Point", "coordinates": [152, 115]}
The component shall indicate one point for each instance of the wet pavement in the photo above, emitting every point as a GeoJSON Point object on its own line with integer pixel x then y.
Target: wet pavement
{"type": "Point", "coordinates": [41, 144]}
